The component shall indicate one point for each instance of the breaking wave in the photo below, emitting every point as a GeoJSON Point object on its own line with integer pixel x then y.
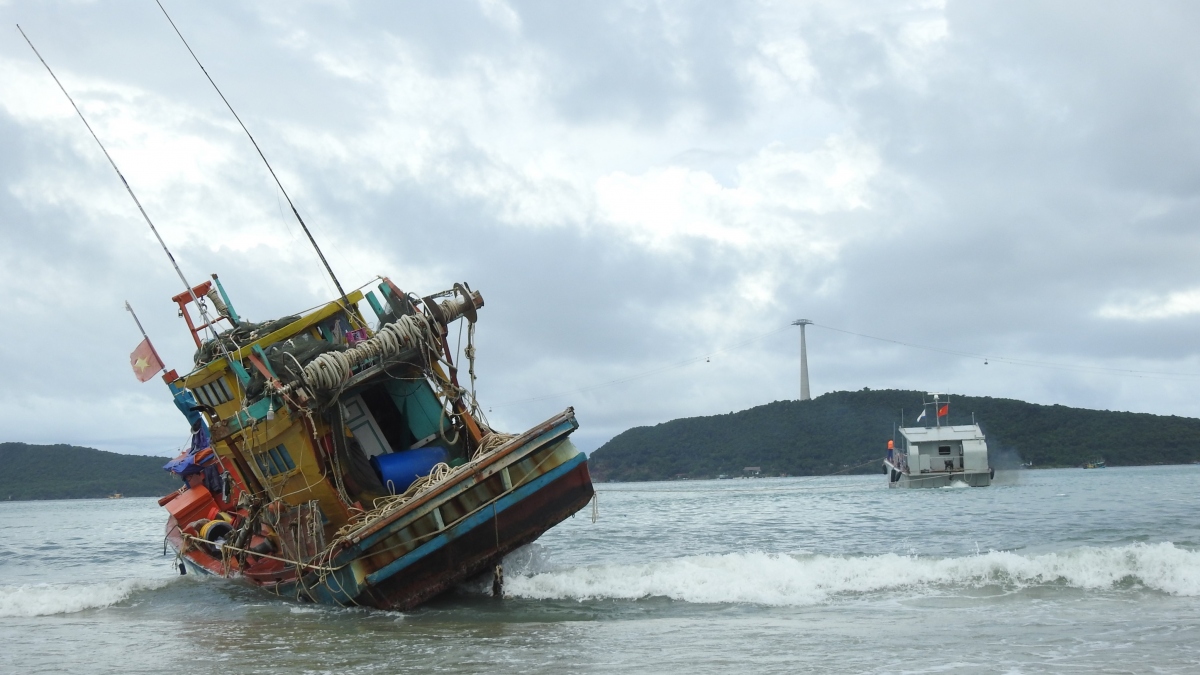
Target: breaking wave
{"type": "Point", "coordinates": [46, 599]}
{"type": "Point", "coordinates": [790, 580]}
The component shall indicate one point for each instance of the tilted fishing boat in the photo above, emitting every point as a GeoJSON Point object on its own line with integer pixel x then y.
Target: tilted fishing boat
{"type": "Point", "coordinates": [344, 465]}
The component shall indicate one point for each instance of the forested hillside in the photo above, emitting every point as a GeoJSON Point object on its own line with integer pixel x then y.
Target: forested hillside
{"type": "Point", "coordinates": [68, 471]}
{"type": "Point", "coordinates": [842, 429]}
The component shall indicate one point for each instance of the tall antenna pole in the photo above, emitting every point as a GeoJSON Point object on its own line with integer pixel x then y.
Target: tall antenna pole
{"type": "Point", "coordinates": [260, 154]}
{"type": "Point", "coordinates": [203, 312]}
{"type": "Point", "coordinates": [804, 393]}
{"type": "Point", "coordinates": [136, 320]}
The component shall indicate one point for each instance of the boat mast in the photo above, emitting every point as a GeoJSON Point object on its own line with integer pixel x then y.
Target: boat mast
{"type": "Point", "coordinates": [191, 291]}
{"type": "Point", "coordinates": [320, 254]}
{"type": "Point", "coordinates": [937, 419]}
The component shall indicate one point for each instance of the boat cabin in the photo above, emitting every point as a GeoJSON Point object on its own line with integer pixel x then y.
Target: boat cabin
{"type": "Point", "coordinates": [952, 452]}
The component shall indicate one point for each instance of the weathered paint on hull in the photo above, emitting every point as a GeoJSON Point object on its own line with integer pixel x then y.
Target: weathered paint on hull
{"type": "Point", "coordinates": [477, 545]}
{"type": "Point", "coordinates": [472, 546]}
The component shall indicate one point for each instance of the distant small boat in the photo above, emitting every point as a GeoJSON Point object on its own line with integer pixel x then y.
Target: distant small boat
{"type": "Point", "coordinates": [116, 495]}
{"type": "Point", "coordinates": [941, 455]}
{"type": "Point", "coordinates": [1095, 465]}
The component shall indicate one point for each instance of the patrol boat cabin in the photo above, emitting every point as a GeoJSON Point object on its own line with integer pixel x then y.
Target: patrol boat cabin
{"type": "Point", "coordinates": [938, 455]}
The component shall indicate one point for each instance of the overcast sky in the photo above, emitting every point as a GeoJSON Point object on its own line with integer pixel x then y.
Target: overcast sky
{"type": "Point", "coordinates": [632, 186]}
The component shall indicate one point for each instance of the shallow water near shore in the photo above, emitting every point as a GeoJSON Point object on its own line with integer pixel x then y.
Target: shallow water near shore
{"type": "Point", "coordinates": [1045, 571]}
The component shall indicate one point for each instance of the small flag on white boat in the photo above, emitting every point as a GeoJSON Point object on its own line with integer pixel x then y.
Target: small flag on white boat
{"type": "Point", "coordinates": [921, 416]}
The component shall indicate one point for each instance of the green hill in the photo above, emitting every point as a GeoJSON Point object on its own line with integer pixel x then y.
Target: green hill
{"type": "Point", "coordinates": [842, 429]}
{"type": "Point", "coordinates": [70, 472]}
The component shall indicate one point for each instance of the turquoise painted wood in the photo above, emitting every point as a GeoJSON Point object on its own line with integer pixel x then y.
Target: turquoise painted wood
{"type": "Point", "coordinates": [419, 404]}
{"type": "Point", "coordinates": [481, 517]}
{"type": "Point", "coordinates": [228, 303]}
{"type": "Point", "coordinates": [552, 435]}
{"type": "Point", "coordinates": [263, 356]}
{"type": "Point", "coordinates": [240, 371]}
{"type": "Point", "coordinates": [375, 306]}
{"type": "Point", "coordinates": [257, 411]}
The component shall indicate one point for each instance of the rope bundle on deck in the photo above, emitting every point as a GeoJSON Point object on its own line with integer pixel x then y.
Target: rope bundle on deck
{"type": "Point", "coordinates": [332, 370]}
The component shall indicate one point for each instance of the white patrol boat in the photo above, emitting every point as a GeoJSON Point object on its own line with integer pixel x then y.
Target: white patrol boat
{"type": "Point", "coordinates": [938, 455]}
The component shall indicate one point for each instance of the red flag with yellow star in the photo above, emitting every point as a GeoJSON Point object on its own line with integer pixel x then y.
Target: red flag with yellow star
{"type": "Point", "coordinates": [145, 361]}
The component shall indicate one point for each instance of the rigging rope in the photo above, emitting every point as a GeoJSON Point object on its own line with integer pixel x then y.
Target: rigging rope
{"type": "Point", "coordinates": [332, 370]}
{"type": "Point", "coordinates": [385, 506]}
{"type": "Point", "coordinates": [286, 196]}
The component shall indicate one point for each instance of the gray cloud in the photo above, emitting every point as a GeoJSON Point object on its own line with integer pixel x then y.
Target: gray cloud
{"type": "Point", "coordinates": [630, 186]}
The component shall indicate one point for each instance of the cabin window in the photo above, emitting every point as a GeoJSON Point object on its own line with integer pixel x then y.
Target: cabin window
{"type": "Point", "coordinates": [214, 393]}
{"type": "Point", "coordinates": [275, 461]}
{"type": "Point", "coordinates": [200, 396]}
{"type": "Point", "coordinates": [943, 449]}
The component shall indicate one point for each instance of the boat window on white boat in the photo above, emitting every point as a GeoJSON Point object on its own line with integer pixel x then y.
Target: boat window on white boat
{"type": "Point", "coordinates": [275, 461]}
{"type": "Point", "coordinates": [943, 449]}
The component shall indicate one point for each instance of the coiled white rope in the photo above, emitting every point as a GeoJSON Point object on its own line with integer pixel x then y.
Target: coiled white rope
{"type": "Point", "coordinates": [333, 370]}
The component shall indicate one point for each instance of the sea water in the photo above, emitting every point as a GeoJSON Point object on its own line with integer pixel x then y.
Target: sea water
{"type": "Point", "coordinates": [1045, 571]}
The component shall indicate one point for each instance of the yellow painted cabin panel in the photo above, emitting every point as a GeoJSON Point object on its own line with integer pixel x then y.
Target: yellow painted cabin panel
{"type": "Point", "coordinates": [306, 481]}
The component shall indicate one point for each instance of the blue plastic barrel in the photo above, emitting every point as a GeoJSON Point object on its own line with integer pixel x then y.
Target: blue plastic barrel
{"type": "Point", "coordinates": [399, 470]}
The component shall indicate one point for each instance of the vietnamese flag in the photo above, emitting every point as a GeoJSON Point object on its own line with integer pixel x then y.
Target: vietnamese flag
{"type": "Point", "coordinates": [942, 411]}
{"type": "Point", "coordinates": [145, 361]}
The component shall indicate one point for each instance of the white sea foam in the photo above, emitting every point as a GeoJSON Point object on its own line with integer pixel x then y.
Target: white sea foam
{"type": "Point", "coordinates": [45, 599]}
{"type": "Point", "coordinates": [305, 609]}
{"type": "Point", "coordinates": [778, 579]}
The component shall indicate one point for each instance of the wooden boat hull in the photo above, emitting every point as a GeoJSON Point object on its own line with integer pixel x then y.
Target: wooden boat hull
{"type": "Point", "coordinates": [478, 544]}
{"type": "Point", "coordinates": [460, 529]}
